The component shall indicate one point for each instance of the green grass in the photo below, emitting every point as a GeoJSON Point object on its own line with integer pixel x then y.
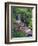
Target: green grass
{"type": "Point", "coordinates": [18, 33]}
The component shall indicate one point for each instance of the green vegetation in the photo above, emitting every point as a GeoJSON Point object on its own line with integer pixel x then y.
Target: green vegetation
{"type": "Point", "coordinates": [26, 14]}
{"type": "Point", "coordinates": [18, 33]}
{"type": "Point", "coordinates": [26, 17]}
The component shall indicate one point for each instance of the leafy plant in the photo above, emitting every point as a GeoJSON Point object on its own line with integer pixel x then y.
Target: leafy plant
{"type": "Point", "coordinates": [26, 17]}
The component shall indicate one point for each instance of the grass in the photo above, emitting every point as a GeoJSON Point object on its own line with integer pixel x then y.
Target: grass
{"type": "Point", "coordinates": [18, 33]}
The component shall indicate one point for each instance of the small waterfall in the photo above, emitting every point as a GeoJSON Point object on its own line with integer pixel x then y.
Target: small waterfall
{"type": "Point", "coordinates": [18, 19]}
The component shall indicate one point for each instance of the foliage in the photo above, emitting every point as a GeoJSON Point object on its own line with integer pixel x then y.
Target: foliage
{"type": "Point", "coordinates": [26, 14]}
{"type": "Point", "coordinates": [18, 33]}
{"type": "Point", "coordinates": [30, 24]}
{"type": "Point", "coordinates": [26, 17]}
